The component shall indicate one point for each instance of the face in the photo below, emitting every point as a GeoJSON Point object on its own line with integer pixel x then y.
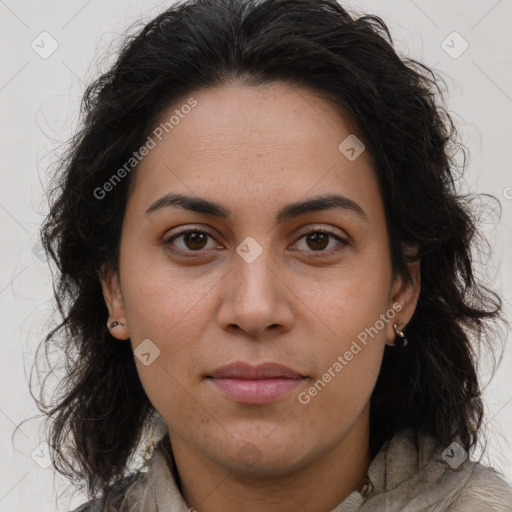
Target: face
{"type": "Point", "coordinates": [257, 282]}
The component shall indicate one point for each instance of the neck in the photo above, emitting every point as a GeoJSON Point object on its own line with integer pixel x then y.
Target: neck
{"type": "Point", "coordinates": [318, 486]}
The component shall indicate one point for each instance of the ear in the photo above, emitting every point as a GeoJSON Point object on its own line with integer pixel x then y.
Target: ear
{"type": "Point", "coordinates": [110, 285]}
{"type": "Point", "coordinates": [404, 297]}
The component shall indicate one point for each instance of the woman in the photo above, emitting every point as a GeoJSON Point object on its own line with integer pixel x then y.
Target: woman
{"type": "Point", "coordinates": [266, 268]}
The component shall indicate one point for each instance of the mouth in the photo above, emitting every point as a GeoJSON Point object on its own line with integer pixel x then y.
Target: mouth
{"type": "Point", "coordinates": [247, 384]}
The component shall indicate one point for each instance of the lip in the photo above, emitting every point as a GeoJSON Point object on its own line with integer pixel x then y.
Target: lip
{"type": "Point", "coordinates": [241, 370]}
{"type": "Point", "coordinates": [247, 384]}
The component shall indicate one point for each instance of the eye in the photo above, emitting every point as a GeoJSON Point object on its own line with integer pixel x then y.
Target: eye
{"type": "Point", "coordinates": [319, 239]}
{"type": "Point", "coordinates": [193, 240]}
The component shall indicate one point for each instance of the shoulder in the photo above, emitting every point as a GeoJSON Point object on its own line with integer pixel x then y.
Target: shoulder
{"type": "Point", "coordinates": [90, 506]}
{"type": "Point", "coordinates": [470, 487]}
{"type": "Point", "coordinates": [486, 490]}
{"type": "Point", "coordinates": [113, 499]}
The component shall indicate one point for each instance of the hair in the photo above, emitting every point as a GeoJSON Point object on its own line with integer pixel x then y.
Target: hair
{"type": "Point", "coordinates": [396, 107]}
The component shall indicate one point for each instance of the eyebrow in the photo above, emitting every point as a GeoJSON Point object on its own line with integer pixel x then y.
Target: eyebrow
{"type": "Point", "coordinates": [290, 211]}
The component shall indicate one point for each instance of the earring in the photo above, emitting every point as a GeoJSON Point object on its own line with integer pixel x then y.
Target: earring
{"type": "Point", "coordinates": [400, 340]}
{"type": "Point", "coordinates": [121, 335]}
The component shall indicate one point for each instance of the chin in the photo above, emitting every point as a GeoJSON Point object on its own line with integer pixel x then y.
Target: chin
{"type": "Point", "coordinates": [264, 468]}
{"type": "Point", "coordinates": [260, 458]}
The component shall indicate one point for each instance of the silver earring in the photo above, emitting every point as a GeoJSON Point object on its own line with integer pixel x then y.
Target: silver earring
{"type": "Point", "coordinates": [115, 323]}
{"type": "Point", "coordinates": [400, 340]}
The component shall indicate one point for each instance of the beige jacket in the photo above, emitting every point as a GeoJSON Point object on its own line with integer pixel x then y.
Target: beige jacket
{"type": "Point", "coordinates": [409, 474]}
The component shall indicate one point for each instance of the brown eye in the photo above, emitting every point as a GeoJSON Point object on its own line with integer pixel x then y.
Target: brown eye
{"type": "Point", "coordinates": [195, 240]}
{"type": "Point", "coordinates": [191, 241]}
{"type": "Point", "coordinates": [317, 241]}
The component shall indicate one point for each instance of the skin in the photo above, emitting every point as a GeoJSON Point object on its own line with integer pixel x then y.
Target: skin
{"type": "Point", "coordinates": [255, 150]}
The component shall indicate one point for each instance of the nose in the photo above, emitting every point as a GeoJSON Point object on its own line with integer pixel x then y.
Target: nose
{"type": "Point", "coordinates": [256, 298]}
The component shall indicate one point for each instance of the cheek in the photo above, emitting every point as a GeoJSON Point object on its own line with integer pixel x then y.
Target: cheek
{"type": "Point", "coordinates": [175, 336]}
{"type": "Point", "coordinates": [162, 299]}
{"type": "Point", "coordinates": [167, 315]}
{"type": "Point", "coordinates": [347, 300]}
{"type": "Point", "coordinates": [336, 399]}
{"type": "Point", "coordinates": [348, 310]}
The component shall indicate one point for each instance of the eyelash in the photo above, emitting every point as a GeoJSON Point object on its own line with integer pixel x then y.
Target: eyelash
{"type": "Point", "coordinates": [321, 253]}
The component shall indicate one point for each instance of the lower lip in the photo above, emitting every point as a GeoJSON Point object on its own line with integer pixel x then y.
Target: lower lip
{"type": "Point", "coordinates": [255, 391]}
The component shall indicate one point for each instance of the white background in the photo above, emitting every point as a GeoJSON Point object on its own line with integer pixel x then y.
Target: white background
{"type": "Point", "coordinates": [39, 101]}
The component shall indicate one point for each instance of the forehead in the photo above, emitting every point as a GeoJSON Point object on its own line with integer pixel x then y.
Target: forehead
{"type": "Point", "coordinates": [274, 117]}
{"type": "Point", "coordinates": [253, 143]}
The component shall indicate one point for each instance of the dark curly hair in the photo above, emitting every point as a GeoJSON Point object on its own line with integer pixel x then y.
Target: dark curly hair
{"type": "Point", "coordinates": [395, 105]}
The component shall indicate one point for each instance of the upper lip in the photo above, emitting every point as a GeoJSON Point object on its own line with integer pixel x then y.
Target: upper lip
{"type": "Point", "coordinates": [241, 370]}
